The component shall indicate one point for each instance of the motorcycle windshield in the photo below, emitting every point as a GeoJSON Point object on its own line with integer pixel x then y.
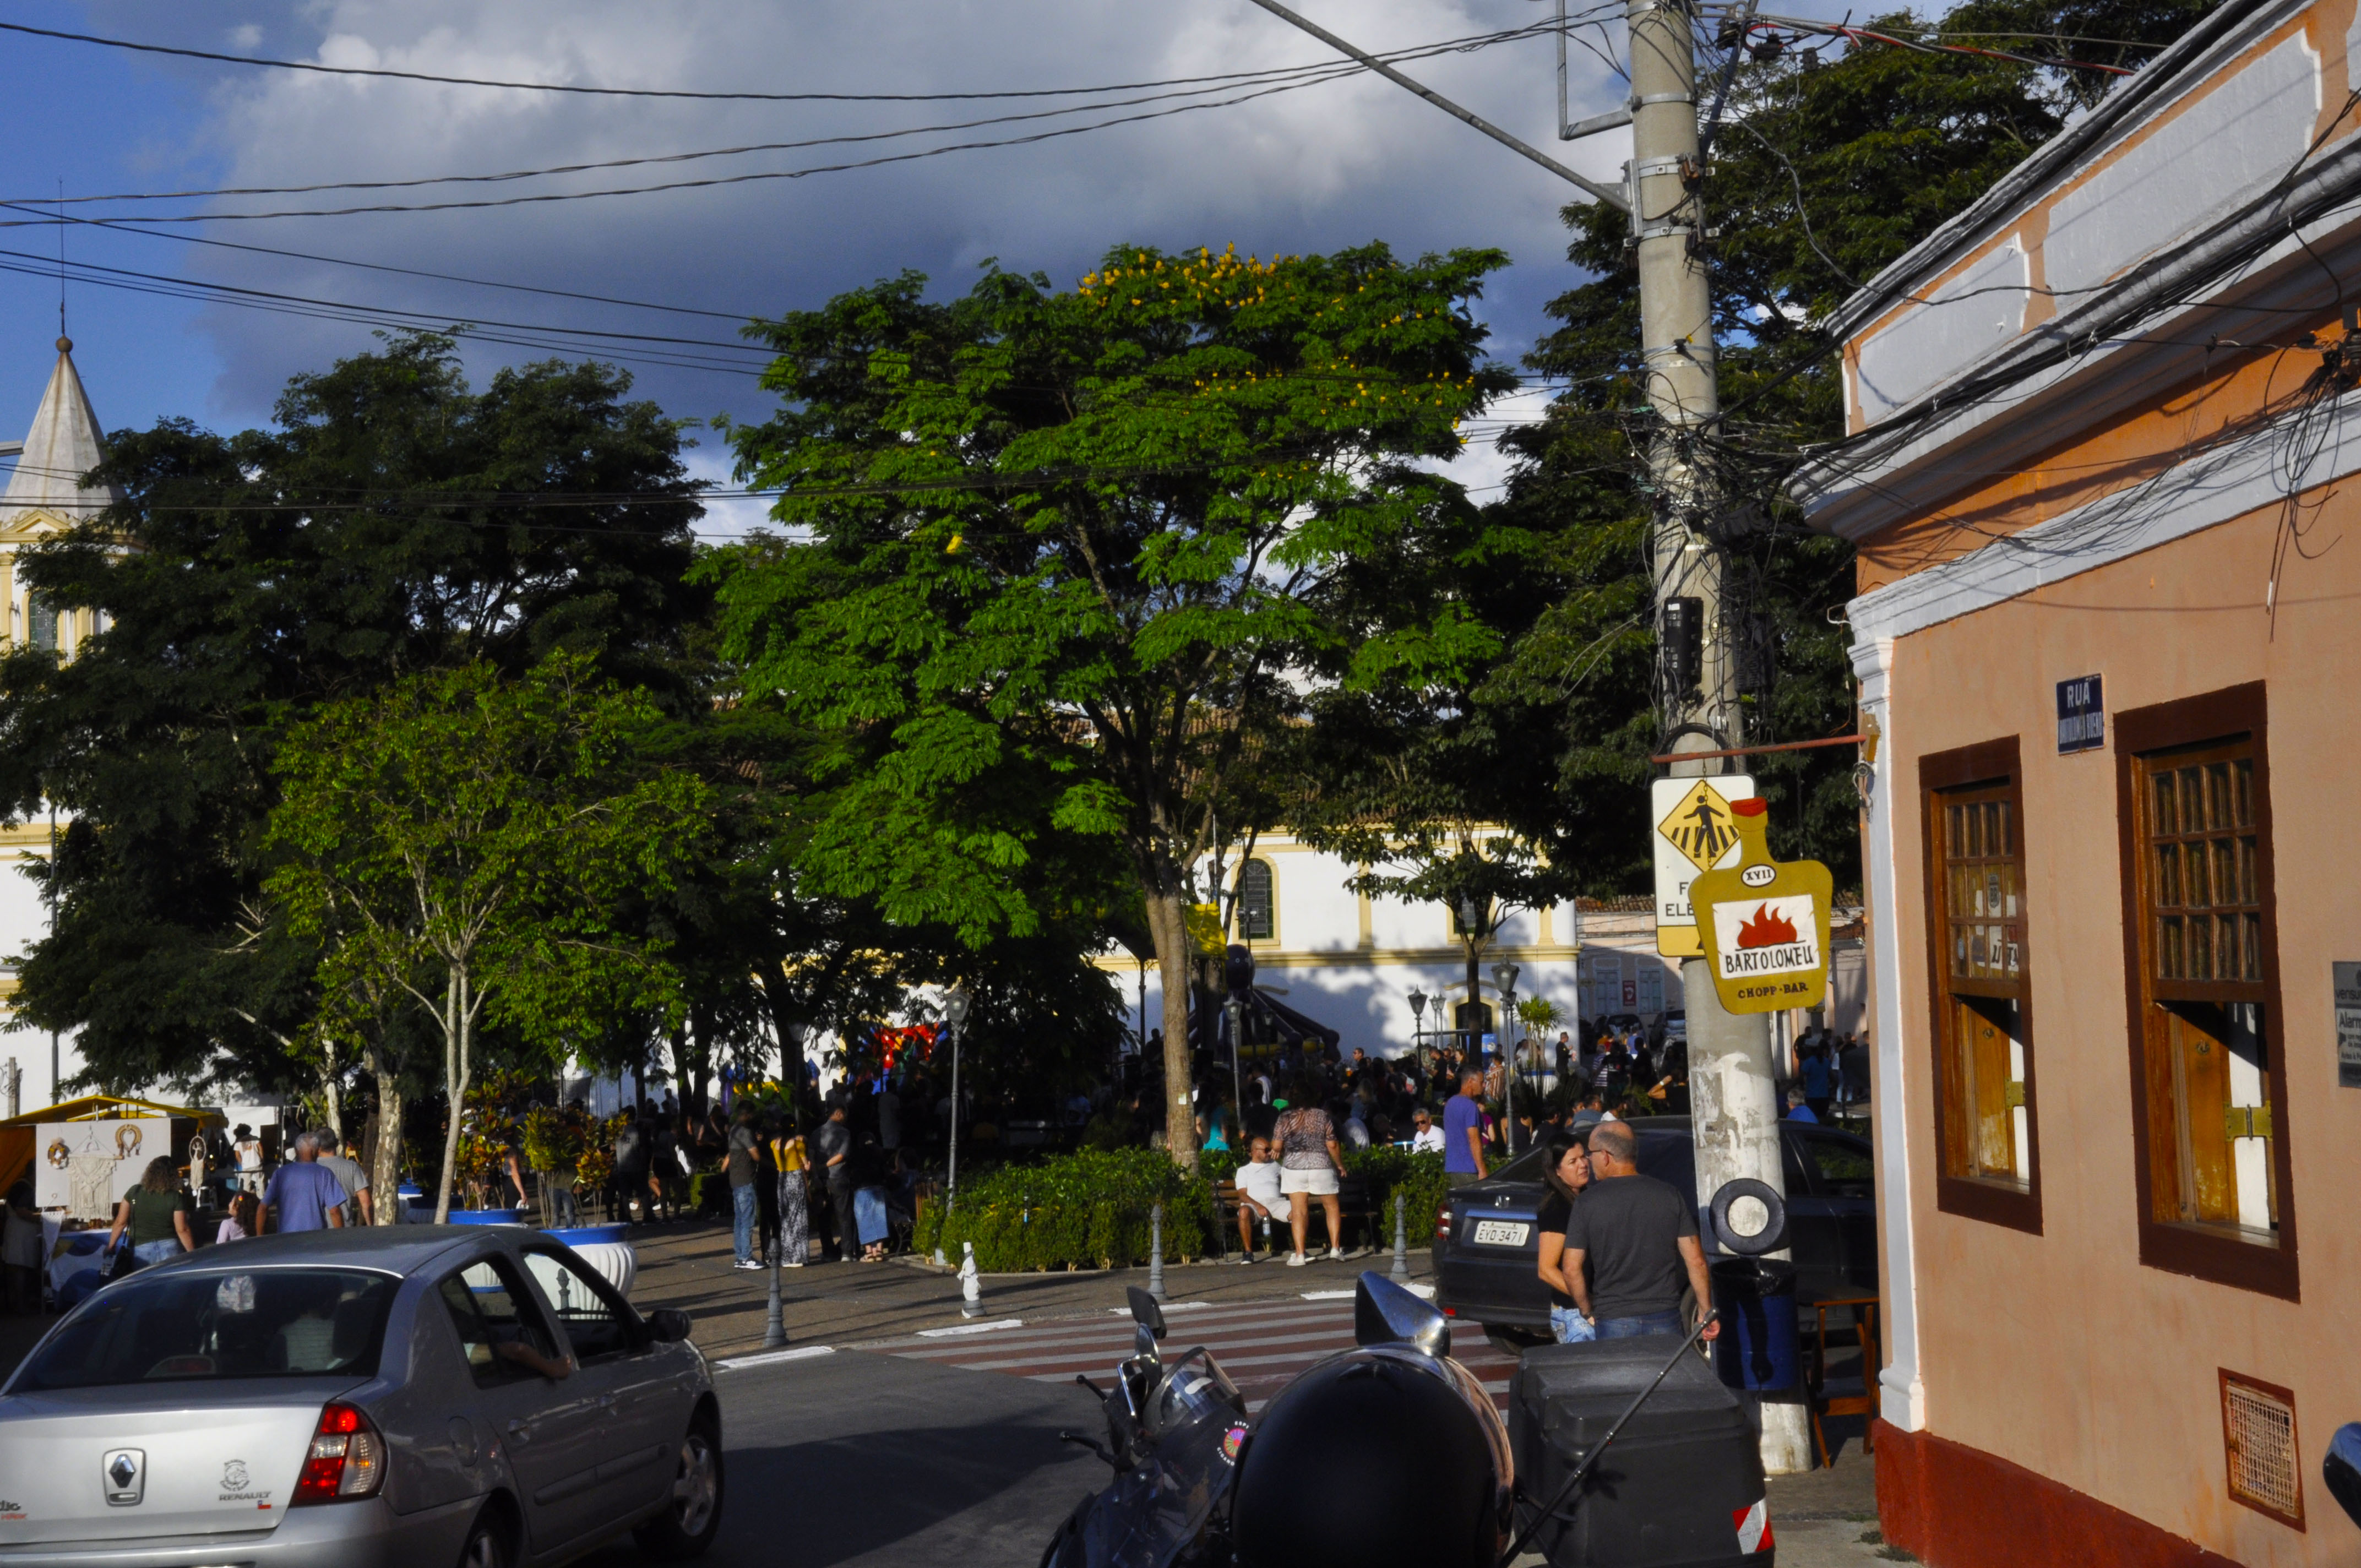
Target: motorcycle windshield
{"type": "Point", "coordinates": [1152, 1514]}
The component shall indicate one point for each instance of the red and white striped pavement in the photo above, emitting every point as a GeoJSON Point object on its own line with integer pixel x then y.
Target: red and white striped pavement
{"type": "Point", "coordinates": [1261, 1344]}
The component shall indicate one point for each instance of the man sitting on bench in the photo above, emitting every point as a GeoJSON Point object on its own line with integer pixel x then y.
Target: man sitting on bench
{"type": "Point", "coordinates": [1258, 1183]}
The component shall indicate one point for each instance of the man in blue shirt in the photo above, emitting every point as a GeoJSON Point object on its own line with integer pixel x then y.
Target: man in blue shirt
{"type": "Point", "coordinates": [1817, 1089]}
{"type": "Point", "coordinates": [1463, 1131]}
{"type": "Point", "coordinates": [304, 1194]}
{"type": "Point", "coordinates": [1796, 1109]}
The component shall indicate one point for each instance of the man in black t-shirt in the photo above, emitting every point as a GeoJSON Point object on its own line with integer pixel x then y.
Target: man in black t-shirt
{"type": "Point", "coordinates": [832, 1152]}
{"type": "Point", "coordinates": [1630, 1243]}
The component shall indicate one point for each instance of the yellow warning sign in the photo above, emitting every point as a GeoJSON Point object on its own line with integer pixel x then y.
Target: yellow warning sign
{"type": "Point", "coordinates": [1693, 830]}
{"type": "Point", "coordinates": [1699, 826]}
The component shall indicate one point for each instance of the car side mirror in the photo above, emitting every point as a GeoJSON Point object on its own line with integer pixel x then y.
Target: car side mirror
{"type": "Point", "coordinates": [1385, 1314]}
{"type": "Point", "coordinates": [2342, 1469]}
{"type": "Point", "coordinates": [670, 1325]}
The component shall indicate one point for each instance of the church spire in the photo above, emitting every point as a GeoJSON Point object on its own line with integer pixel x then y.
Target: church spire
{"type": "Point", "coordinates": [62, 445]}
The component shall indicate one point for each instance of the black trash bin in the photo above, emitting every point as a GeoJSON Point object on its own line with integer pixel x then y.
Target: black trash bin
{"type": "Point", "coordinates": [1681, 1488]}
{"type": "Point", "coordinates": [1756, 1297]}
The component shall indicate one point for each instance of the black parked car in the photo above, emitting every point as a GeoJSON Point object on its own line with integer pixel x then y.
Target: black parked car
{"type": "Point", "coordinates": [1487, 1242]}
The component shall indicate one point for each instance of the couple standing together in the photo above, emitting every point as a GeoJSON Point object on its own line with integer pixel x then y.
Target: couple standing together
{"type": "Point", "coordinates": [1615, 1247]}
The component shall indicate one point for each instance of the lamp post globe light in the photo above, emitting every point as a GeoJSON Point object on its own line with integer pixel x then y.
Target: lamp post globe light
{"type": "Point", "coordinates": [956, 1004]}
{"type": "Point", "coordinates": [1504, 980]}
{"type": "Point", "coordinates": [1418, 1028]}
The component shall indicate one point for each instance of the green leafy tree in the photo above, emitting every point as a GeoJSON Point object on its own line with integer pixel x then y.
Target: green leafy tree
{"type": "Point", "coordinates": [464, 839]}
{"type": "Point", "coordinates": [1058, 551]}
{"type": "Point", "coordinates": [394, 519]}
{"type": "Point", "coordinates": [1822, 172]}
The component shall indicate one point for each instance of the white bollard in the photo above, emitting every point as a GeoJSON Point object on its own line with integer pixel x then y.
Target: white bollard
{"type": "Point", "coordinates": [971, 1285]}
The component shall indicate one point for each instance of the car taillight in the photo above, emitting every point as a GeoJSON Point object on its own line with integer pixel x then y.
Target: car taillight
{"type": "Point", "coordinates": [1442, 1224]}
{"type": "Point", "coordinates": [347, 1460]}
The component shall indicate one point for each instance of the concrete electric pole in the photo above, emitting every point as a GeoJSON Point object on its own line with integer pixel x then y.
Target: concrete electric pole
{"type": "Point", "coordinates": [1732, 1091]}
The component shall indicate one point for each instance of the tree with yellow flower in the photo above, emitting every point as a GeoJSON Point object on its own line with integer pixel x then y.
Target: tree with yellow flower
{"type": "Point", "coordinates": [1056, 558]}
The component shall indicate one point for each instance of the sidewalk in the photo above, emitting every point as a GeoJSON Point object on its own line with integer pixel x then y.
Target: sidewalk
{"type": "Point", "coordinates": [686, 1265]}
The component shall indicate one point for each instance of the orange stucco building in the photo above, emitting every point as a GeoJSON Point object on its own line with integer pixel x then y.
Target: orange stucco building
{"type": "Point", "coordinates": [2102, 460]}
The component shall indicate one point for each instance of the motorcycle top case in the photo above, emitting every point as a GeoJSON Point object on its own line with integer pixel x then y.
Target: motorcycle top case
{"type": "Point", "coordinates": [1676, 1488]}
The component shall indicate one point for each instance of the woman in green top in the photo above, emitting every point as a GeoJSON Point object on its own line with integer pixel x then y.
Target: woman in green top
{"type": "Point", "coordinates": [156, 1214]}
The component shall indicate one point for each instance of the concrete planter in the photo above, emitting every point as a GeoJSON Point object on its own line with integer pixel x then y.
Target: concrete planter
{"type": "Point", "coordinates": [606, 1248]}
{"type": "Point", "coordinates": [423, 1214]}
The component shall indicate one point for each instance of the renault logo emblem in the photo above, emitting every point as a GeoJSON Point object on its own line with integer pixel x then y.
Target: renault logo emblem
{"type": "Point", "coordinates": [126, 1472]}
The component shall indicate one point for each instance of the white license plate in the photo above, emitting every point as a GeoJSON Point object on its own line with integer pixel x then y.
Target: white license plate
{"type": "Point", "coordinates": [1499, 1233]}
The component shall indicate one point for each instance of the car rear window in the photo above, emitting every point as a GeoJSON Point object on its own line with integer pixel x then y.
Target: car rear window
{"type": "Point", "coordinates": [1669, 1157]}
{"type": "Point", "coordinates": [205, 1327]}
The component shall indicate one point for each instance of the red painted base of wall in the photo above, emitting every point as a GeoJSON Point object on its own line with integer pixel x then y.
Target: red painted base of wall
{"type": "Point", "coordinates": [1956, 1507]}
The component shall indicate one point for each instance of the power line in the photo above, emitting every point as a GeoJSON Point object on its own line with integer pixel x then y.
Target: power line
{"type": "Point", "coordinates": [317, 69]}
{"type": "Point", "coordinates": [117, 225]}
{"type": "Point", "coordinates": [711, 181]}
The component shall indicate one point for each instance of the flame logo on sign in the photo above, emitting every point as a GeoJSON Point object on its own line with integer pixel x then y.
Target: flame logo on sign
{"type": "Point", "coordinates": [1766, 929]}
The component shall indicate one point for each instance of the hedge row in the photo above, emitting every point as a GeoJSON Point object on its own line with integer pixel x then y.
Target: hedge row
{"type": "Point", "coordinates": [1090, 1209]}
{"type": "Point", "coordinates": [1087, 1210]}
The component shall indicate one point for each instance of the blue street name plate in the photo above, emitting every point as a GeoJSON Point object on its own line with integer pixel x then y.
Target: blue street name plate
{"type": "Point", "coordinates": [2082, 715]}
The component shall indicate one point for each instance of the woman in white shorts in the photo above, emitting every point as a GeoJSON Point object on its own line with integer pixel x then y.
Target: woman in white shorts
{"type": "Point", "coordinates": [1310, 1165]}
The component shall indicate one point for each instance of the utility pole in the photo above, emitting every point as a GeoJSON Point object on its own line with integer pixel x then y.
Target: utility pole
{"type": "Point", "coordinates": [1732, 1091]}
{"type": "Point", "coordinates": [1735, 1110]}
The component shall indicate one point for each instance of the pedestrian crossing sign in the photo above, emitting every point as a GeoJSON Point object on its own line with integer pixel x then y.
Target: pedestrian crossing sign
{"type": "Point", "coordinates": [1695, 832]}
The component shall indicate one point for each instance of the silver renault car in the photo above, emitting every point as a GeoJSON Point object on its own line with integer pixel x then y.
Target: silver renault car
{"type": "Point", "coordinates": [411, 1396]}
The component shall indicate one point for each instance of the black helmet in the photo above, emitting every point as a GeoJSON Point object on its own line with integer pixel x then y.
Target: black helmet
{"type": "Point", "coordinates": [1381, 1453]}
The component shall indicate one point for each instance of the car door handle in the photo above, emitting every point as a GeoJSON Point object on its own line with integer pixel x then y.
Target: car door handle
{"type": "Point", "coordinates": [520, 1430]}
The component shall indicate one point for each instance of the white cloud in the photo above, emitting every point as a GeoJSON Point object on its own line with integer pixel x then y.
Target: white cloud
{"type": "Point", "coordinates": [1305, 170]}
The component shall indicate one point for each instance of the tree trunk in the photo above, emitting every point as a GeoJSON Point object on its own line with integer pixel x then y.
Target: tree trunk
{"type": "Point", "coordinates": [384, 1172]}
{"type": "Point", "coordinates": [458, 1029]}
{"type": "Point", "coordinates": [1474, 1014]}
{"type": "Point", "coordinates": [1168, 922]}
{"type": "Point", "coordinates": [332, 1102]}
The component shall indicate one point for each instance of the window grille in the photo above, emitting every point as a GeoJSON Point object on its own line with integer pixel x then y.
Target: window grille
{"type": "Point", "coordinates": [1256, 917]}
{"type": "Point", "coordinates": [2258, 1441]}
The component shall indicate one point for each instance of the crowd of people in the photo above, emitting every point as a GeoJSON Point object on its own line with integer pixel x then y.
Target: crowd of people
{"type": "Point", "coordinates": [316, 1188]}
{"type": "Point", "coordinates": [835, 1185]}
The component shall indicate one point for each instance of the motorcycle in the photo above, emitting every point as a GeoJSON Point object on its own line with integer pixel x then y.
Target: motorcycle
{"type": "Point", "coordinates": [1180, 1441]}
{"type": "Point", "coordinates": [1174, 1434]}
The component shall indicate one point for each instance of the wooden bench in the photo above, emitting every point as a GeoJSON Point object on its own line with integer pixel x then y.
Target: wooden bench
{"type": "Point", "coordinates": [1354, 1201]}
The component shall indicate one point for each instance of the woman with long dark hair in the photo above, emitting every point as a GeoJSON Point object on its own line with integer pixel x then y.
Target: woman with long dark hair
{"type": "Point", "coordinates": [792, 1158]}
{"type": "Point", "coordinates": [1566, 1171]}
{"type": "Point", "coordinates": [156, 1213]}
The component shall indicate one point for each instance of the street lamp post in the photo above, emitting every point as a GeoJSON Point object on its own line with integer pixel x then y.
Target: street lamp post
{"type": "Point", "coordinates": [1418, 1028]}
{"type": "Point", "coordinates": [955, 1010]}
{"type": "Point", "coordinates": [1237, 976]}
{"type": "Point", "coordinates": [1504, 980]}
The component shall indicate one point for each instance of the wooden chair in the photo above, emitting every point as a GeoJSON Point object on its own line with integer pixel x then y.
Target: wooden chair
{"type": "Point", "coordinates": [1864, 1310]}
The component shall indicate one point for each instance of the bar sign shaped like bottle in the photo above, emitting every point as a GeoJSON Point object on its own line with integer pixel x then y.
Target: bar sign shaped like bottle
{"type": "Point", "coordinates": [1765, 923]}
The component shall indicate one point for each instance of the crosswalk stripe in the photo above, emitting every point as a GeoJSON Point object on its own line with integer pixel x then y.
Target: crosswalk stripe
{"type": "Point", "coordinates": [1261, 1344]}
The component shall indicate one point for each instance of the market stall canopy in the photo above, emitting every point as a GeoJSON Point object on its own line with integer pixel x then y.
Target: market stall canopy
{"type": "Point", "coordinates": [16, 1132]}
{"type": "Point", "coordinates": [1266, 1020]}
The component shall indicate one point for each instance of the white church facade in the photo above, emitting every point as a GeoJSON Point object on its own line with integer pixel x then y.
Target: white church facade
{"type": "Point", "coordinates": [45, 496]}
{"type": "Point", "coordinates": [1354, 962]}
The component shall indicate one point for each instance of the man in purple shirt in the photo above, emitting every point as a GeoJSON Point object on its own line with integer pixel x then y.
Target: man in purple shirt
{"type": "Point", "coordinates": [1463, 1131]}
{"type": "Point", "coordinates": [304, 1194]}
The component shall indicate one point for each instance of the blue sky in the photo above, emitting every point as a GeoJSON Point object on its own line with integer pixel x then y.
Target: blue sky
{"type": "Point", "coordinates": [1311, 170]}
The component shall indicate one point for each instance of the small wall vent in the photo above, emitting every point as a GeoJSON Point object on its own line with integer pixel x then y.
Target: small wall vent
{"type": "Point", "coordinates": [2258, 1442]}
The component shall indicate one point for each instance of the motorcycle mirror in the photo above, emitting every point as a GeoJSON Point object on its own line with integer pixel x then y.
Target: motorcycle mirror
{"type": "Point", "coordinates": [1148, 1316]}
{"type": "Point", "coordinates": [2341, 1468]}
{"type": "Point", "coordinates": [1385, 1314]}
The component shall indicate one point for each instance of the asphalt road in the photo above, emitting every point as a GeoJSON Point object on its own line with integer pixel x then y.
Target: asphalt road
{"type": "Point", "coordinates": [854, 1458]}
